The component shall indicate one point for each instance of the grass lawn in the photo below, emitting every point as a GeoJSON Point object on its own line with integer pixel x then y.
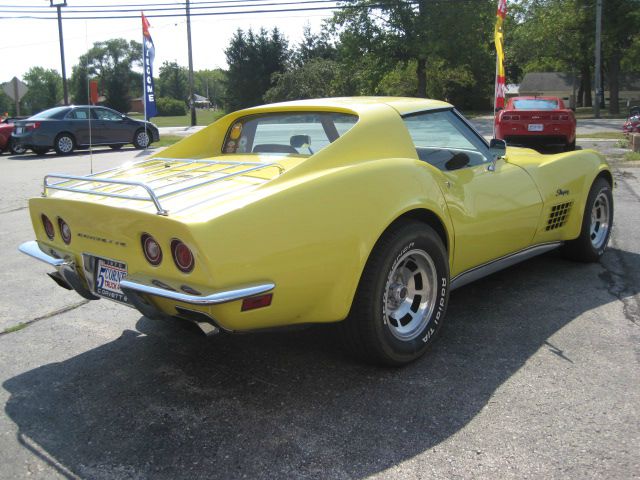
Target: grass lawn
{"type": "Point", "coordinates": [587, 112]}
{"type": "Point", "coordinates": [604, 135]}
{"type": "Point", "coordinates": [203, 117]}
{"type": "Point", "coordinates": [166, 140]}
{"type": "Point", "coordinates": [632, 157]}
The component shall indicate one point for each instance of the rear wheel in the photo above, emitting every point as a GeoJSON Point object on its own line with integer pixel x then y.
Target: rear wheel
{"type": "Point", "coordinates": [596, 225]}
{"type": "Point", "coordinates": [402, 297]}
{"type": "Point", "coordinates": [570, 147]}
{"type": "Point", "coordinates": [16, 148]}
{"type": "Point", "coordinates": [141, 139]}
{"type": "Point", "coordinates": [64, 144]}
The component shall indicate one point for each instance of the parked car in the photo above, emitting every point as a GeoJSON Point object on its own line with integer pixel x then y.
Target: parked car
{"type": "Point", "coordinates": [6, 142]}
{"type": "Point", "coordinates": [536, 121]}
{"type": "Point", "coordinates": [75, 127]}
{"type": "Point", "coordinates": [632, 125]}
{"type": "Point", "coordinates": [365, 211]}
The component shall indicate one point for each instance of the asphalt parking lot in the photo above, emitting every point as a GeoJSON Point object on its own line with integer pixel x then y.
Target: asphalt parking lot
{"type": "Point", "coordinates": [536, 375]}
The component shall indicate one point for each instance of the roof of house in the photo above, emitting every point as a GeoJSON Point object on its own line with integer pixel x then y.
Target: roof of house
{"type": "Point", "coordinates": [547, 82]}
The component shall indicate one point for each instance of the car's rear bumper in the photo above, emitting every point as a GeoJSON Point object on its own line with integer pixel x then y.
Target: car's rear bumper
{"type": "Point", "coordinates": [140, 290]}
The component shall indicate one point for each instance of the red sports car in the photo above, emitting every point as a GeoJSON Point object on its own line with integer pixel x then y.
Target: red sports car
{"type": "Point", "coordinates": [536, 121]}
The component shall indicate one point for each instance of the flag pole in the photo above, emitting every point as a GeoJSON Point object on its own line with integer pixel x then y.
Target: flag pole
{"type": "Point", "coordinates": [144, 80]}
{"type": "Point", "coordinates": [495, 96]}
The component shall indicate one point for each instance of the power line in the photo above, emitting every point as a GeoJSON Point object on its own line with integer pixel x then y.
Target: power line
{"type": "Point", "coordinates": [216, 7]}
{"type": "Point", "coordinates": [199, 14]}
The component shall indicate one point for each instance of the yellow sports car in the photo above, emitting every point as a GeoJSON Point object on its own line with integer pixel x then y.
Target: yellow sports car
{"type": "Point", "coordinates": [364, 211]}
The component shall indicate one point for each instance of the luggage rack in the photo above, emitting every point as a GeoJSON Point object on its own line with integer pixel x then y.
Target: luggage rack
{"type": "Point", "coordinates": [156, 169]}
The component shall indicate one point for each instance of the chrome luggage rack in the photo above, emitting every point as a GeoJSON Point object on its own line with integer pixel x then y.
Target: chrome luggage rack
{"type": "Point", "coordinates": [155, 170]}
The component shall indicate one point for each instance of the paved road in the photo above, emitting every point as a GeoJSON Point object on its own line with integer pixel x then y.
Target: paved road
{"type": "Point", "coordinates": [535, 376]}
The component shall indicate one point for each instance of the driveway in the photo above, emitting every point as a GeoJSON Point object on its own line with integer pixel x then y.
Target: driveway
{"type": "Point", "coordinates": [536, 375]}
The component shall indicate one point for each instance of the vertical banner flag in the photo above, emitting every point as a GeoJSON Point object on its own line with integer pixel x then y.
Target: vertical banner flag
{"type": "Point", "coordinates": [148, 54]}
{"type": "Point", "coordinates": [499, 40]}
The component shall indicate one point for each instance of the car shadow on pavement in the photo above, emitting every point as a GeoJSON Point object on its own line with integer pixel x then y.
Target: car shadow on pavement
{"type": "Point", "coordinates": [169, 404]}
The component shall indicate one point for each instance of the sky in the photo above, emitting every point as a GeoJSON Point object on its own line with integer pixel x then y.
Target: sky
{"type": "Point", "coordinates": [30, 42]}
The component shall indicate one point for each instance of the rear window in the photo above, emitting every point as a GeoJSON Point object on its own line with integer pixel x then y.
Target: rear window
{"type": "Point", "coordinates": [56, 112]}
{"type": "Point", "coordinates": [535, 104]}
{"type": "Point", "coordinates": [287, 133]}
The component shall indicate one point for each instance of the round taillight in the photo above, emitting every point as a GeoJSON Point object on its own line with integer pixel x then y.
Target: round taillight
{"type": "Point", "coordinates": [48, 227]}
{"type": "Point", "coordinates": [182, 256]}
{"type": "Point", "coordinates": [65, 231]}
{"type": "Point", "coordinates": [151, 249]}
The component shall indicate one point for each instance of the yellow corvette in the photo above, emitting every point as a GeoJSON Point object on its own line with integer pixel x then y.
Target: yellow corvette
{"type": "Point", "coordinates": [364, 211]}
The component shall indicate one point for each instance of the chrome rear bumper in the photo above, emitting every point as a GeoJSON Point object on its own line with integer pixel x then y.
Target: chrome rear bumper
{"type": "Point", "coordinates": [139, 288]}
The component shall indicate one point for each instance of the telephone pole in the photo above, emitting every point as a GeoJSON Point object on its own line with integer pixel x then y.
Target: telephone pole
{"type": "Point", "coordinates": [598, 72]}
{"type": "Point", "coordinates": [59, 5]}
{"type": "Point", "coordinates": [191, 100]}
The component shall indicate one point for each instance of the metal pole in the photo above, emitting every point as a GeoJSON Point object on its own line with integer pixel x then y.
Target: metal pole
{"type": "Point", "coordinates": [598, 72]}
{"type": "Point", "coordinates": [191, 100]}
{"type": "Point", "coordinates": [64, 70]}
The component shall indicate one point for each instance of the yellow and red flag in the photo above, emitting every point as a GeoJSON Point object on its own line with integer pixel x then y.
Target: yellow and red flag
{"type": "Point", "coordinates": [499, 40]}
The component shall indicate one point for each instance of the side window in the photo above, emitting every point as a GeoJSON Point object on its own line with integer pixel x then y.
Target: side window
{"type": "Point", "coordinates": [79, 114]}
{"type": "Point", "coordinates": [444, 141]}
{"type": "Point", "coordinates": [103, 114]}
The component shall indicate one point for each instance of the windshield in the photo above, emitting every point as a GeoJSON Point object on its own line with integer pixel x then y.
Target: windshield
{"type": "Point", "coordinates": [287, 132]}
{"type": "Point", "coordinates": [535, 104]}
{"type": "Point", "coordinates": [56, 112]}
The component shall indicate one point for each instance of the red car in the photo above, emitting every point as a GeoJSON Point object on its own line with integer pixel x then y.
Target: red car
{"type": "Point", "coordinates": [6, 143]}
{"type": "Point", "coordinates": [536, 121]}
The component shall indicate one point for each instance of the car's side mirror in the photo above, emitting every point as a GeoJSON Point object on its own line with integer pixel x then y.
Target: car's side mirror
{"type": "Point", "coordinates": [498, 148]}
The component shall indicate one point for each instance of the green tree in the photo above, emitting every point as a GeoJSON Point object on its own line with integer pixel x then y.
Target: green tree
{"type": "Point", "coordinates": [317, 78]}
{"type": "Point", "coordinates": [45, 89]}
{"type": "Point", "coordinates": [211, 84]}
{"type": "Point", "coordinates": [110, 62]}
{"type": "Point", "coordinates": [173, 81]}
{"type": "Point", "coordinates": [378, 38]}
{"type": "Point", "coordinates": [253, 58]}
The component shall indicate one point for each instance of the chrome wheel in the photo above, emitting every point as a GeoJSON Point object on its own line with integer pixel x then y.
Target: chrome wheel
{"type": "Point", "coordinates": [142, 139]}
{"type": "Point", "coordinates": [410, 294]}
{"type": "Point", "coordinates": [600, 214]}
{"type": "Point", "coordinates": [65, 144]}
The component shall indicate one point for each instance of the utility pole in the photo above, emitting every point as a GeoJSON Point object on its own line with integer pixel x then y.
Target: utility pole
{"type": "Point", "coordinates": [598, 72]}
{"type": "Point", "coordinates": [58, 6]}
{"type": "Point", "coordinates": [191, 99]}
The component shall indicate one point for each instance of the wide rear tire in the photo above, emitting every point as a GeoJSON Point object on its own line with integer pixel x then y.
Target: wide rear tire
{"type": "Point", "coordinates": [401, 299]}
{"type": "Point", "coordinates": [597, 222]}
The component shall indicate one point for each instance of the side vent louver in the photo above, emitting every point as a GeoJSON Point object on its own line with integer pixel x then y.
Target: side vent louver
{"type": "Point", "coordinates": [558, 216]}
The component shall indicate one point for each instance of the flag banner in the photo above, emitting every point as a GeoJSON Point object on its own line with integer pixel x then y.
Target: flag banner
{"type": "Point", "coordinates": [499, 41]}
{"type": "Point", "coordinates": [148, 54]}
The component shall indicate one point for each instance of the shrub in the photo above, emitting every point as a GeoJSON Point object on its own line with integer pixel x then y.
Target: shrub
{"type": "Point", "coordinates": [169, 107]}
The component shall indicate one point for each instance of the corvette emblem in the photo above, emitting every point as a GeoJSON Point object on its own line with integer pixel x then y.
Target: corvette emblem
{"type": "Point", "coordinates": [561, 193]}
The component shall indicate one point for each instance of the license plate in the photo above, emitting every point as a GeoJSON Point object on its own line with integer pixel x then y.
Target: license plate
{"type": "Point", "coordinates": [536, 127]}
{"type": "Point", "coordinates": [109, 274]}
{"type": "Point", "coordinates": [19, 129]}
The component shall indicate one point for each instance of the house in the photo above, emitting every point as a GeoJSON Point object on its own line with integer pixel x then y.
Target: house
{"type": "Point", "coordinates": [566, 85]}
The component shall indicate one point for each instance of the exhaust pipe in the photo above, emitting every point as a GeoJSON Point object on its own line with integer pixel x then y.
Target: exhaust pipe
{"type": "Point", "coordinates": [204, 322]}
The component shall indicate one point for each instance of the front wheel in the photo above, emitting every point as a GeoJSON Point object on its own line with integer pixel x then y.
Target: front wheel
{"type": "Point", "coordinates": [402, 297]}
{"type": "Point", "coordinates": [141, 139]}
{"type": "Point", "coordinates": [597, 222]}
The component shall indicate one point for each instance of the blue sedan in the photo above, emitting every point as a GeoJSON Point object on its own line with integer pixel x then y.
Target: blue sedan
{"type": "Point", "coordinates": [79, 126]}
